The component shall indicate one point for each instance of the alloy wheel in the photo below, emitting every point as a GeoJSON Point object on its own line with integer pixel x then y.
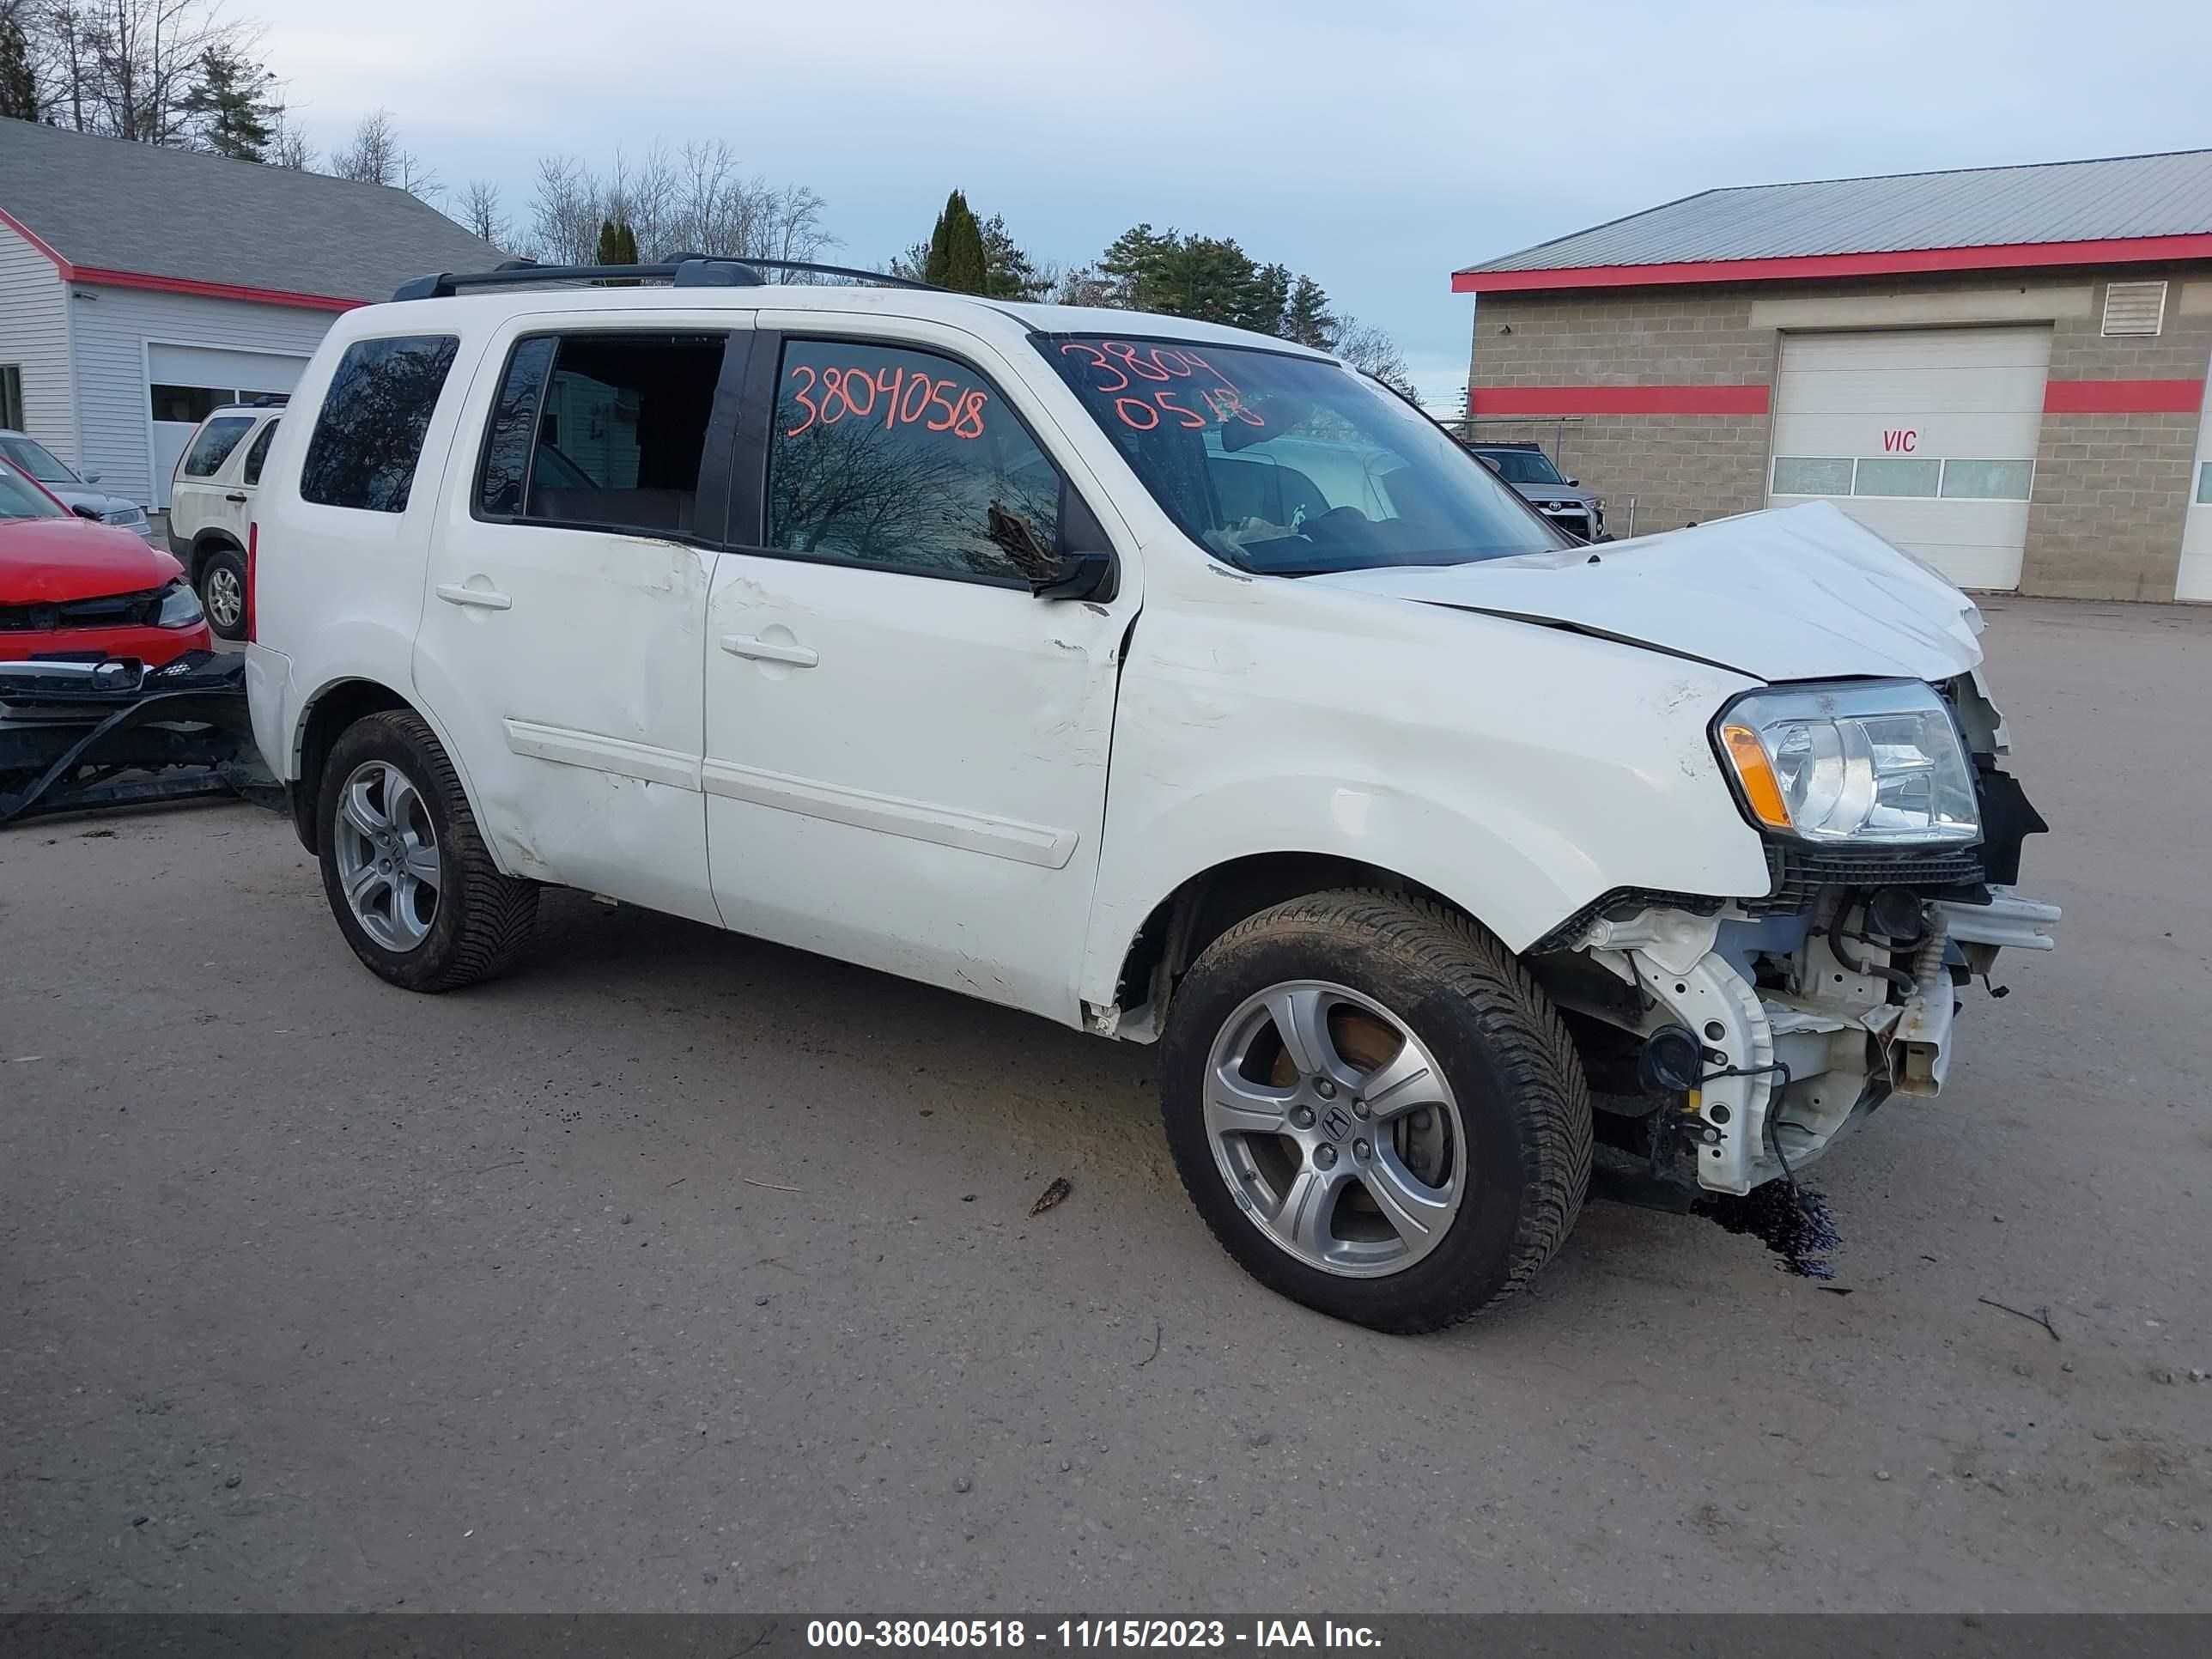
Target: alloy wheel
{"type": "Point", "coordinates": [387, 856]}
{"type": "Point", "coordinates": [1335, 1128]}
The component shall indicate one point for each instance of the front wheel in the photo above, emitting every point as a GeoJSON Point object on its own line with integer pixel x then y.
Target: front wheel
{"type": "Point", "coordinates": [406, 871]}
{"type": "Point", "coordinates": [222, 592]}
{"type": "Point", "coordinates": [1375, 1109]}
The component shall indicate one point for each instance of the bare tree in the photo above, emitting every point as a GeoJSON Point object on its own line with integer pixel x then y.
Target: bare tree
{"type": "Point", "coordinates": [480, 212]}
{"type": "Point", "coordinates": [698, 200]}
{"type": "Point", "coordinates": [564, 212]}
{"type": "Point", "coordinates": [290, 147]}
{"type": "Point", "coordinates": [377, 157]}
{"type": "Point", "coordinates": [1369, 349]}
{"type": "Point", "coordinates": [126, 68]}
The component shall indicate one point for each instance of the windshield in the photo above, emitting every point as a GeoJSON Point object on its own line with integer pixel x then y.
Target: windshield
{"type": "Point", "coordinates": [1291, 467]}
{"type": "Point", "coordinates": [1523, 465]}
{"type": "Point", "coordinates": [35, 459]}
{"type": "Point", "coordinates": [20, 499]}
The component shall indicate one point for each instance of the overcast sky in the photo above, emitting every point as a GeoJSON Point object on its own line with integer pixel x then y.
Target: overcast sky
{"type": "Point", "coordinates": [1376, 144]}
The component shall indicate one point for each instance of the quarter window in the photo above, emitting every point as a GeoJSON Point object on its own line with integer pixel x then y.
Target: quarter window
{"type": "Point", "coordinates": [259, 453]}
{"type": "Point", "coordinates": [603, 430]}
{"type": "Point", "coordinates": [368, 437]}
{"type": "Point", "coordinates": [213, 445]}
{"type": "Point", "coordinates": [896, 459]}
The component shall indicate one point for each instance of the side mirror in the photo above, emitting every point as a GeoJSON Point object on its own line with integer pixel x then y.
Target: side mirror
{"type": "Point", "coordinates": [89, 477]}
{"type": "Point", "coordinates": [1574, 483]}
{"type": "Point", "coordinates": [1074, 575]}
{"type": "Point", "coordinates": [87, 510]}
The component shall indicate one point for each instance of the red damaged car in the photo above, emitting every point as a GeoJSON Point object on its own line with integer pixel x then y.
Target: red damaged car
{"type": "Point", "coordinates": [71, 589]}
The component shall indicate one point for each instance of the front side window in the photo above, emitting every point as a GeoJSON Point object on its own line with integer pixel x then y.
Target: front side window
{"type": "Point", "coordinates": [22, 499]}
{"type": "Point", "coordinates": [29, 455]}
{"type": "Point", "coordinates": [605, 431]}
{"type": "Point", "coordinates": [251, 473]}
{"type": "Point", "coordinates": [1289, 466]}
{"type": "Point", "coordinates": [903, 459]}
{"type": "Point", "coordinates": [369, 436]}
{"type": "Point", "coordinates": [211, 447]}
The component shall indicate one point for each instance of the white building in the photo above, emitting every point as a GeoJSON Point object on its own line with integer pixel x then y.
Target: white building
{"type": "Point", "coordinates": [142, 287]}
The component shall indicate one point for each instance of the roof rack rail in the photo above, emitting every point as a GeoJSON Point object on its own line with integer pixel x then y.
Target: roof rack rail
{"type": "Point", "coordinates": [685, 270]}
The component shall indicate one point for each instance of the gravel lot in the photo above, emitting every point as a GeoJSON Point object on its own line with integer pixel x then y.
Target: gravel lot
{"type": "Point", "coordinates": [314, 1295]}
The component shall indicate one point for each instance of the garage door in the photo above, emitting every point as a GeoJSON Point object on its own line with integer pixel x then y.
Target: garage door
{"type": "Point", "coordinates": [186, 382]}
{"type": "Point", "coordinates": [1926, 436]}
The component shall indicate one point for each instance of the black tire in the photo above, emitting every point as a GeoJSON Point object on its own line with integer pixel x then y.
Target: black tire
{"type": "Point", "coordinates": [231, 563]}
{"type": "Point", "coordinates": [1501, 1047]}
{"type": "Point", "coordinates": [482, 919]}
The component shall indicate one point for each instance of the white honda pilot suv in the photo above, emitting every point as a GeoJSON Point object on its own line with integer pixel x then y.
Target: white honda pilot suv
{"type": "Point", "coordinates": [1166, 681]}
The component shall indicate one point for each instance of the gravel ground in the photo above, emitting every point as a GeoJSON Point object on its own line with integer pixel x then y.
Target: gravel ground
{"type": "Point", "coordinates": [680, 1271]}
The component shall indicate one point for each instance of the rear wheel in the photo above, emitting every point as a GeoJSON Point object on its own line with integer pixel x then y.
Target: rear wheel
{"type": "Point", "coordinates": [222, 592]}
{"type": "Point", "coordinates": [1375, 1109]}
{"type": "Point", "coordinates": [405, 869]}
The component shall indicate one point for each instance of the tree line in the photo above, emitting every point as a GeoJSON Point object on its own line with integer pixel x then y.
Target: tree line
{"type": "Point", "coordinates": [183, 74]}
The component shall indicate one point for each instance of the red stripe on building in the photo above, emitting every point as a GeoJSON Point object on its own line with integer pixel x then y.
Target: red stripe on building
{"type": "Point", "coordinates": [2129, 250]}
{"type": "Point", "coordinates": [2123, 397]}
{"type": "Point", "coordinates": [1618, 400]}
{"type": "Point", "coordinates": [267, 296]}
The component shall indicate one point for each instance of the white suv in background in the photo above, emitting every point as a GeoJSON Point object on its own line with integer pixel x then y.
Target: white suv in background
{"type": "Point", "coordinates": [1171, 682]}
{"type": "Point", "coordinates": [211, 504]}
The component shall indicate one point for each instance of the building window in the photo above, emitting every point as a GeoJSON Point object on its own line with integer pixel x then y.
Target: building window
{"type": "Point", "coordinates": [1988, 481]}
{"type": "Point", "coordinates": [369, 435]}
{"type": "Point", "coordinates": [11, 397]}
{"type": "Point", "coordinates": [1890, 476]}
{"type": "Point", "coordinates": [187, 406]}
{"type": "Point", "coordinates": [1812, 475]}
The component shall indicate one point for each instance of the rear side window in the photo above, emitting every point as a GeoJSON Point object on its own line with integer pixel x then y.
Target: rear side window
{"type": "Point", "coordinates": [212, 446]}
{"type": "Point", "coordinates": [369, 435]}
{"type": "Point", "coordinates": [893, 458]}
{"type": "Point", "coordinates": [255, 456]}
{"type": "Point", "coordinates": [605, 431]}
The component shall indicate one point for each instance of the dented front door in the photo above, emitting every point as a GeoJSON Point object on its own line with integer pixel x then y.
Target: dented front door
{"type": "Point", "coordinates": [905, 751]}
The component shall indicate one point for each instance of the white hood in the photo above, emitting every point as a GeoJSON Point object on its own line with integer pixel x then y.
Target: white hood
{"type": "Point", "coordinates": [1794, 593]}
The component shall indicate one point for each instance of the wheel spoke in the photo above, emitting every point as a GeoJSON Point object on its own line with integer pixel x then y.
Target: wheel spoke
{"type": "Point", "coordinates": [1301, 1017]}
{"type": "Point", "coordinates": [1400, 1083]}
{"type": "Point", "coordinates": [406, 921]}
{"type": "Point", "coordinates": [1308, 1208]}
{"type": "Point", "coordinates": [357, 809]}
{"type": "Point", "coordinates": [422, 862]}
{"type": "Point", "coordinates": [1415, 1209]}
{"type": "Point", "coordinates": [400, 797]}
{"type": "Point", "coordinates": [1236, 1105]}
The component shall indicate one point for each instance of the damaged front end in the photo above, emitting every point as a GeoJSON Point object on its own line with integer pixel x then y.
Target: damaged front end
{"type": "Point", "coordinates": [77, 735]}
{"type": "Point", "coordinates": [1729, 1041]}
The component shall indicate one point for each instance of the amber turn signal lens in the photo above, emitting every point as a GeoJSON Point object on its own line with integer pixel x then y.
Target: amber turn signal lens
{"type": "Point", "coordinates": [1756, 773]}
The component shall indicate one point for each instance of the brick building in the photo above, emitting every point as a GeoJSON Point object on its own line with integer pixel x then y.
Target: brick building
{"type": "Point", "coordinates": [2004, 369]}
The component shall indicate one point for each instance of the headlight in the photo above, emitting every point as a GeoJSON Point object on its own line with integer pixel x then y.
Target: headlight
{"type": "Point", "coordinates": [180, 606]}
{"type": "Point", "coordinates": [124, 515]}
{"type": "Point", "coordinates": [1872, 762]}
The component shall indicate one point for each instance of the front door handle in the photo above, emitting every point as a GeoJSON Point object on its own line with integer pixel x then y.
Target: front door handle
{"type": "Point", "coordinates": [488, 598]}
{"type": "Point", "coordinates": [238, 495]}
{"type": "Point", "coordinates": [753, 648]}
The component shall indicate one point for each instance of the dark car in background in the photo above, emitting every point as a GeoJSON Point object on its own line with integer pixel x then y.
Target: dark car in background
{"type": "Point", "coordinates": [1563, 500]}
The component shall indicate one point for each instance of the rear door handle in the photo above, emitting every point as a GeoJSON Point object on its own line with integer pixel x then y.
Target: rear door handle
{"type": "Point", "coordinates": [487, 598]}
{"type": "Point", "coordinates": [238, 495]}
{"type": "Point", "coordinates": [756, 649]}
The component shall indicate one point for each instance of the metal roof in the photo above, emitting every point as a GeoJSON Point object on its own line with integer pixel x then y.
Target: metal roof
{"type": "Point", "coordinates": [2125, 197]}
{"type": "Point", "coordinates": [110, 204]}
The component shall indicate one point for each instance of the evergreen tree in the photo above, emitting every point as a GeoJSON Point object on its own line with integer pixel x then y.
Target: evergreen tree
{"type": "Point", "coordinates": [957, 259]}
{"type": "Point", "coordinates": [229, 105]}
{"type": "Point", "coordinates": [19, 78]}
{"type": "Point", "coordinates": [1307, 320]}
{"type": "Point", "coordinates": [617, 244]}
{"type": "Point", "coordinates": [1008, 272]}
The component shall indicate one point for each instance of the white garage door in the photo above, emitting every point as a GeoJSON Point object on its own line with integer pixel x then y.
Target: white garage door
{"type": "Point", "coordinates": [184, 382]}
{"type": "Point", "coordinates": [1926, 436]}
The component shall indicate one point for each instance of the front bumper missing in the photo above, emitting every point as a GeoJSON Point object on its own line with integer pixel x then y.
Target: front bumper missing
{"type": "Point", "coordinates": [1790, 1066]}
